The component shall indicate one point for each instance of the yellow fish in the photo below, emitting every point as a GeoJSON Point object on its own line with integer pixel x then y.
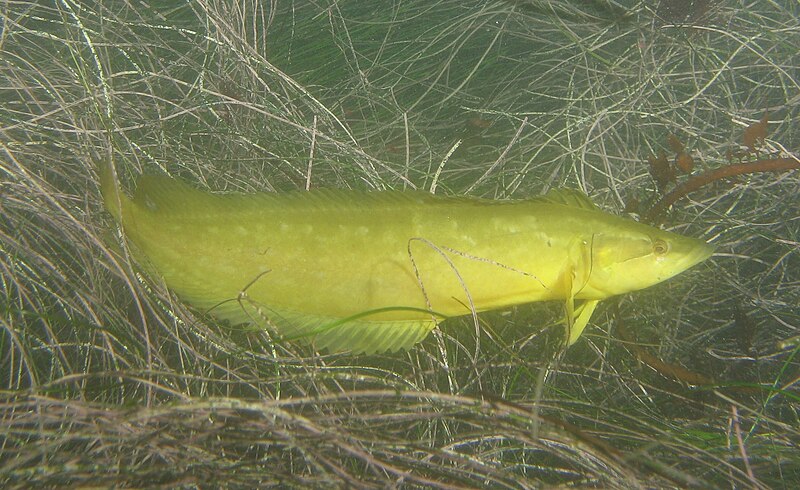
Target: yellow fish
{"type": "Point", "coordinates": [376, 271]}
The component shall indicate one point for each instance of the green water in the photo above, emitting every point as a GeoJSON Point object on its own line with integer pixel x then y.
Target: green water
{"type": "Point", "coordinates": [109, 380]}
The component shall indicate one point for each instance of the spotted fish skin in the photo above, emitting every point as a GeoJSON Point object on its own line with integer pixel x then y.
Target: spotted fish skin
{"type": "Point", "coordinates": [376, 271]}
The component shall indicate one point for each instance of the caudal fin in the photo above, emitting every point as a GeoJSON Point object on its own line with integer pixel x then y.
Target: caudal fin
{"type": "Point", "coordinates": [113, 198]}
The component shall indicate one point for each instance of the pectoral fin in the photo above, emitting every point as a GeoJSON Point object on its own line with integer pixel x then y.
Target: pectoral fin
{"type": "Point", "coordinates": [575, 276]}
{"type": "Point", "coordinates": [569, 303]}
{"type": "Point", "coordinates": [583, 314]}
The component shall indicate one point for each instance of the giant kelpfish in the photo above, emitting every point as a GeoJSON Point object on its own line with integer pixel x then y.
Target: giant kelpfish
{"type": "Point", "coordinates": [376, 271]}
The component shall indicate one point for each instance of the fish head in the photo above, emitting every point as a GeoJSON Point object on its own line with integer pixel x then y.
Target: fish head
{"type": "Point", "coordinates": [633, 256]}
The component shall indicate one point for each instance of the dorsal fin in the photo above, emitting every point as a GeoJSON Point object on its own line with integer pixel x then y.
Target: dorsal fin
{"type": "Point", "coordinates": [164, 194]}
{"type": "Point", "coordinates": [569, 197]}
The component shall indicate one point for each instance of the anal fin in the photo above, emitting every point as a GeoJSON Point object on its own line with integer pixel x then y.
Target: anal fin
{"type": "Point", "coordinates": [371, 337]}
{"type": "Point", "coordinates": [357, 334]}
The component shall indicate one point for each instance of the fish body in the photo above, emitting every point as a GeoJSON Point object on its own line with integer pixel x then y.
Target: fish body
{"type": "Point", "coordinates": [374, 271]}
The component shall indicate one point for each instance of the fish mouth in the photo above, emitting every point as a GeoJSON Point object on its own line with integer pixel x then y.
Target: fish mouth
{"type": "Point", "coordinates": [691, 252]}
{"type": "Point", "coordinates": [699, 253]}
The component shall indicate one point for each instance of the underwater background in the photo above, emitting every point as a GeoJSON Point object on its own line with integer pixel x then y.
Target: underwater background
{"type": "Point", "coordinates": [108, 380]}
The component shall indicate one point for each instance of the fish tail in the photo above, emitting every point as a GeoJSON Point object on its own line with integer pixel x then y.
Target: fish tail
{"type": "Point", "coordinates": [114, 199]}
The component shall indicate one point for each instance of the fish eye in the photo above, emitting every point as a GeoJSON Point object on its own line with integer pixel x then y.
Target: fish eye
{"type": "Point", "coordinates": [660, 247]}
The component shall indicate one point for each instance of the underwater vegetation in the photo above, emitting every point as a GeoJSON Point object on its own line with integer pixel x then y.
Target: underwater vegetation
{"type": "Point", "coordinates": [753, 139]}
{"type": "Point", "coordinates": [110, 376]}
